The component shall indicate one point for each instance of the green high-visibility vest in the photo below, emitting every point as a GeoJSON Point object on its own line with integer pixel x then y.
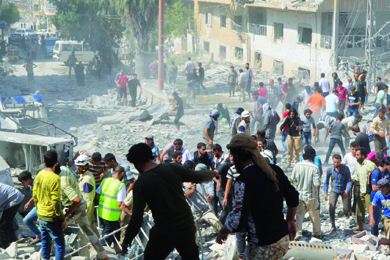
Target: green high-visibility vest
{"type": "Point", "coordinates": [108, 201]}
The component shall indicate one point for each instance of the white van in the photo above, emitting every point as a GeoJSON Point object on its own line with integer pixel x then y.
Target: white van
{"type": "Point", "coordinates": [24, 31]}
{"type": "Point", "coordinates": [63, 49]}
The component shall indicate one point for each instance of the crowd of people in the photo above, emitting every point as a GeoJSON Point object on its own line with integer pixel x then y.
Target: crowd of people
{"type": "Point", "coordinates": [223, 188]}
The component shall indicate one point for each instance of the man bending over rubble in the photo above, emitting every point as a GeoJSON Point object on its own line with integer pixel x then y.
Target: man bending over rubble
{"type": "Point", "coordinates": [160, 186]}
{"type": "Point", "coordinates": [260, 184]}
{"type": "Point", "coordinates": [75, 208]}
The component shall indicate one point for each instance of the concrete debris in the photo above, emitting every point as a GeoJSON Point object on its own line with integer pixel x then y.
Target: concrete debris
{"type": "Point", "coordinates": [12, 250]}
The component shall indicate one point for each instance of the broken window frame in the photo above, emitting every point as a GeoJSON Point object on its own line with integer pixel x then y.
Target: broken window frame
{"type": "Point", "coordinates": [237, 25]}
{"type": "Point", "coordinates": [238, 53]}
{"type": "Point", "coordinates": [301, 33]}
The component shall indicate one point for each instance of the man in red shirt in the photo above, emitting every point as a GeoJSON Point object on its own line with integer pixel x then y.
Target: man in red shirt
{"type": "Point", "coordinates": [343, 96]}
{"type": "Point", "coordinates": [284, 132]}
{"type": "Point", "coordinates": [123, 88]}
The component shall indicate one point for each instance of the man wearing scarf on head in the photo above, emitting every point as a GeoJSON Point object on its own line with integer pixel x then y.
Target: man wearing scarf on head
{"type": "Point", "coordinates": [260, 184]}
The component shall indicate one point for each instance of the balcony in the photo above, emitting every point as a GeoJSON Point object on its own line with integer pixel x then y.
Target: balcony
{"type": "Point", "coordinates": [258, 29]}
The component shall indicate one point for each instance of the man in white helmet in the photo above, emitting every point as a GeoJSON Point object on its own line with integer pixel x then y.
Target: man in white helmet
{"type": "Point", "coordinates": [87, 186]}
{"type": "Point", "coordinates": [244, 126]}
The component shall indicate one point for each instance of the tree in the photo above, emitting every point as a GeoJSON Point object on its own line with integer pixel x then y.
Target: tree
{"type": "Point", "coordinates": [94, 22]}
{"type": "Point", "coordinates": [142, 17]}
{"type": "Point", "coordinates": [9, 13]}
{"type": "Point", "coordinates": [176, 19]}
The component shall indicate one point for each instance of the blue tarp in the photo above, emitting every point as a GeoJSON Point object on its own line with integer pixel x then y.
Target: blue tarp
{"type": "Point", "coordinates": [21, 99]}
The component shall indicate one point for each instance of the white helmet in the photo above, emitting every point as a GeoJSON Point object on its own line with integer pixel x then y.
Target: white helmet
{"type": "Point", "coordinates": [268, 154]}
{"type": "Point", "coordinates": [245, 114]}
{"type": "Point", "coordinates": [82, 160]}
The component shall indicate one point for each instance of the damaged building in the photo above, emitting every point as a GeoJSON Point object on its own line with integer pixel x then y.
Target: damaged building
{"type": "Point", "coordinates": [291, 37]}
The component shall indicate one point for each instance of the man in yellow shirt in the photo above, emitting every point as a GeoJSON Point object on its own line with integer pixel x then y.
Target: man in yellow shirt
{"type": "Point", "coordinates": [47, 199]}
{"type": "Point", "coordinates": [87, 187]}
{"type": "Point", "coordinates": [381, 128]}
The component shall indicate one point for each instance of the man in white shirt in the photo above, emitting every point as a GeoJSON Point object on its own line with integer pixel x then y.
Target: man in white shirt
{"type": "Point", "coordinates": [324, 85]}
{"type": "Point", "coordinates": [347, 84]}
{"type": "Point", "coordinates": [188, 68]}
{"type": "Point", "coordinates": [350, 160]}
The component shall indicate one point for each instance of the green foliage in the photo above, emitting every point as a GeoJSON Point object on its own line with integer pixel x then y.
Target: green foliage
{"type": "Point", "coordinates": [91, 21]}
{"type": "Point", "coordinates": [9, 13]}
{"type": "Point", "coordinates": [5, 69]}
{"type": "Point", "coordinates": [176, 19]}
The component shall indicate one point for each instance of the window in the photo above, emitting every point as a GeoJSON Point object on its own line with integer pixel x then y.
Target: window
{"type": "Point", "coordinates": [207, 19]}
{"type": "Point", "coordinates": [278, 31]}
{"type": "Point", "coordinates": [206, 47]}
{"type": "Point", "coordinates": [278, 67]}
{"type": "Point", "coordinates": [223, 21]}
{"type": "Point", "coordinates": [304, 35]}
{"type": "Point", "coordinates": [222, 52]}
{"type": "Point", "coordinates": [239, 53]}
{"type": "Point", "coordinates": [237, 23]}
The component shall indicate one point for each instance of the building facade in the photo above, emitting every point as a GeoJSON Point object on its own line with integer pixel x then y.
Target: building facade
{"type": "Point", "coordinates": [287, 37]}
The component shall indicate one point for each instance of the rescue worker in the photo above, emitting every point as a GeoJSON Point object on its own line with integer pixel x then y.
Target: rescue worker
{"type": "Point", "coordinates": [111, 194]}
{"type": "Point", "coordinates": [244, 125]}
{"type": "Point", "coordinates": [87, 187]}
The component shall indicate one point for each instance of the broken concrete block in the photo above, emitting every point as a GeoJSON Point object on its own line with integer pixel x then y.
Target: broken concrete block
{"type": "Point", "coordinates": [79, 258]}
{"type": "Point", "coordinates": [4, 255]}
{"type": "Point", "coordinates": [365, 238]}
{"type": "Point", "coordinates": [107, 127]}
{"type": "Point", "coordinates": [358, 248]}
{"type": "Point", "coordinates": [12, 250]}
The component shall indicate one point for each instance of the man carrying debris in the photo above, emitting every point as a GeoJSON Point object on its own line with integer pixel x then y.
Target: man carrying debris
{"type": "Point", "coordinates": [111, 194]}
{"type": "Point", "coordinates": [260, 184]}
{"type": "Point", "coordinates": [75, 211]}
{"type": "Point", "coordinates": [160, 187]}
{"type": "Point", "coordinates": [47, 199]}
{"type": "Point", "coordinates": [364, 169]}
{"type": "Point", "coordinates": [10, 200]}
{"type": "Point", "coordinates": [306, 176]}
{"type": "Point", "coordinates": [339, 176]}
{"type": "Point", "coordinates": [244, 126]}
{"type": "Point", "coordinates": [87, 187]}
{"type": "Point", "coordinates": [235, 120]}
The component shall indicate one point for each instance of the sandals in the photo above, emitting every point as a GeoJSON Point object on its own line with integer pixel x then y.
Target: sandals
{"type": "Point", "coordinates": [36, 241]}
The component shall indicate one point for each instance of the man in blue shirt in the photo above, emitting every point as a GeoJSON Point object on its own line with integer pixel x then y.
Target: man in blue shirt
{"type": "Point", "coordinates": [382, 198]}
{"type": "Point", "coordinates": [340, 180]}
{"type": "Point", "coordinates": [295, 103]}
{"type": "Point", "coordinates": [376, 175]}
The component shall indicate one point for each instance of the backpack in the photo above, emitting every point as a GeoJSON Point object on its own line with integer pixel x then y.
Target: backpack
{"type": "Point", "coordinates": [368, 185]}
{"type": "Point", "coordinates": [368, 132]}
